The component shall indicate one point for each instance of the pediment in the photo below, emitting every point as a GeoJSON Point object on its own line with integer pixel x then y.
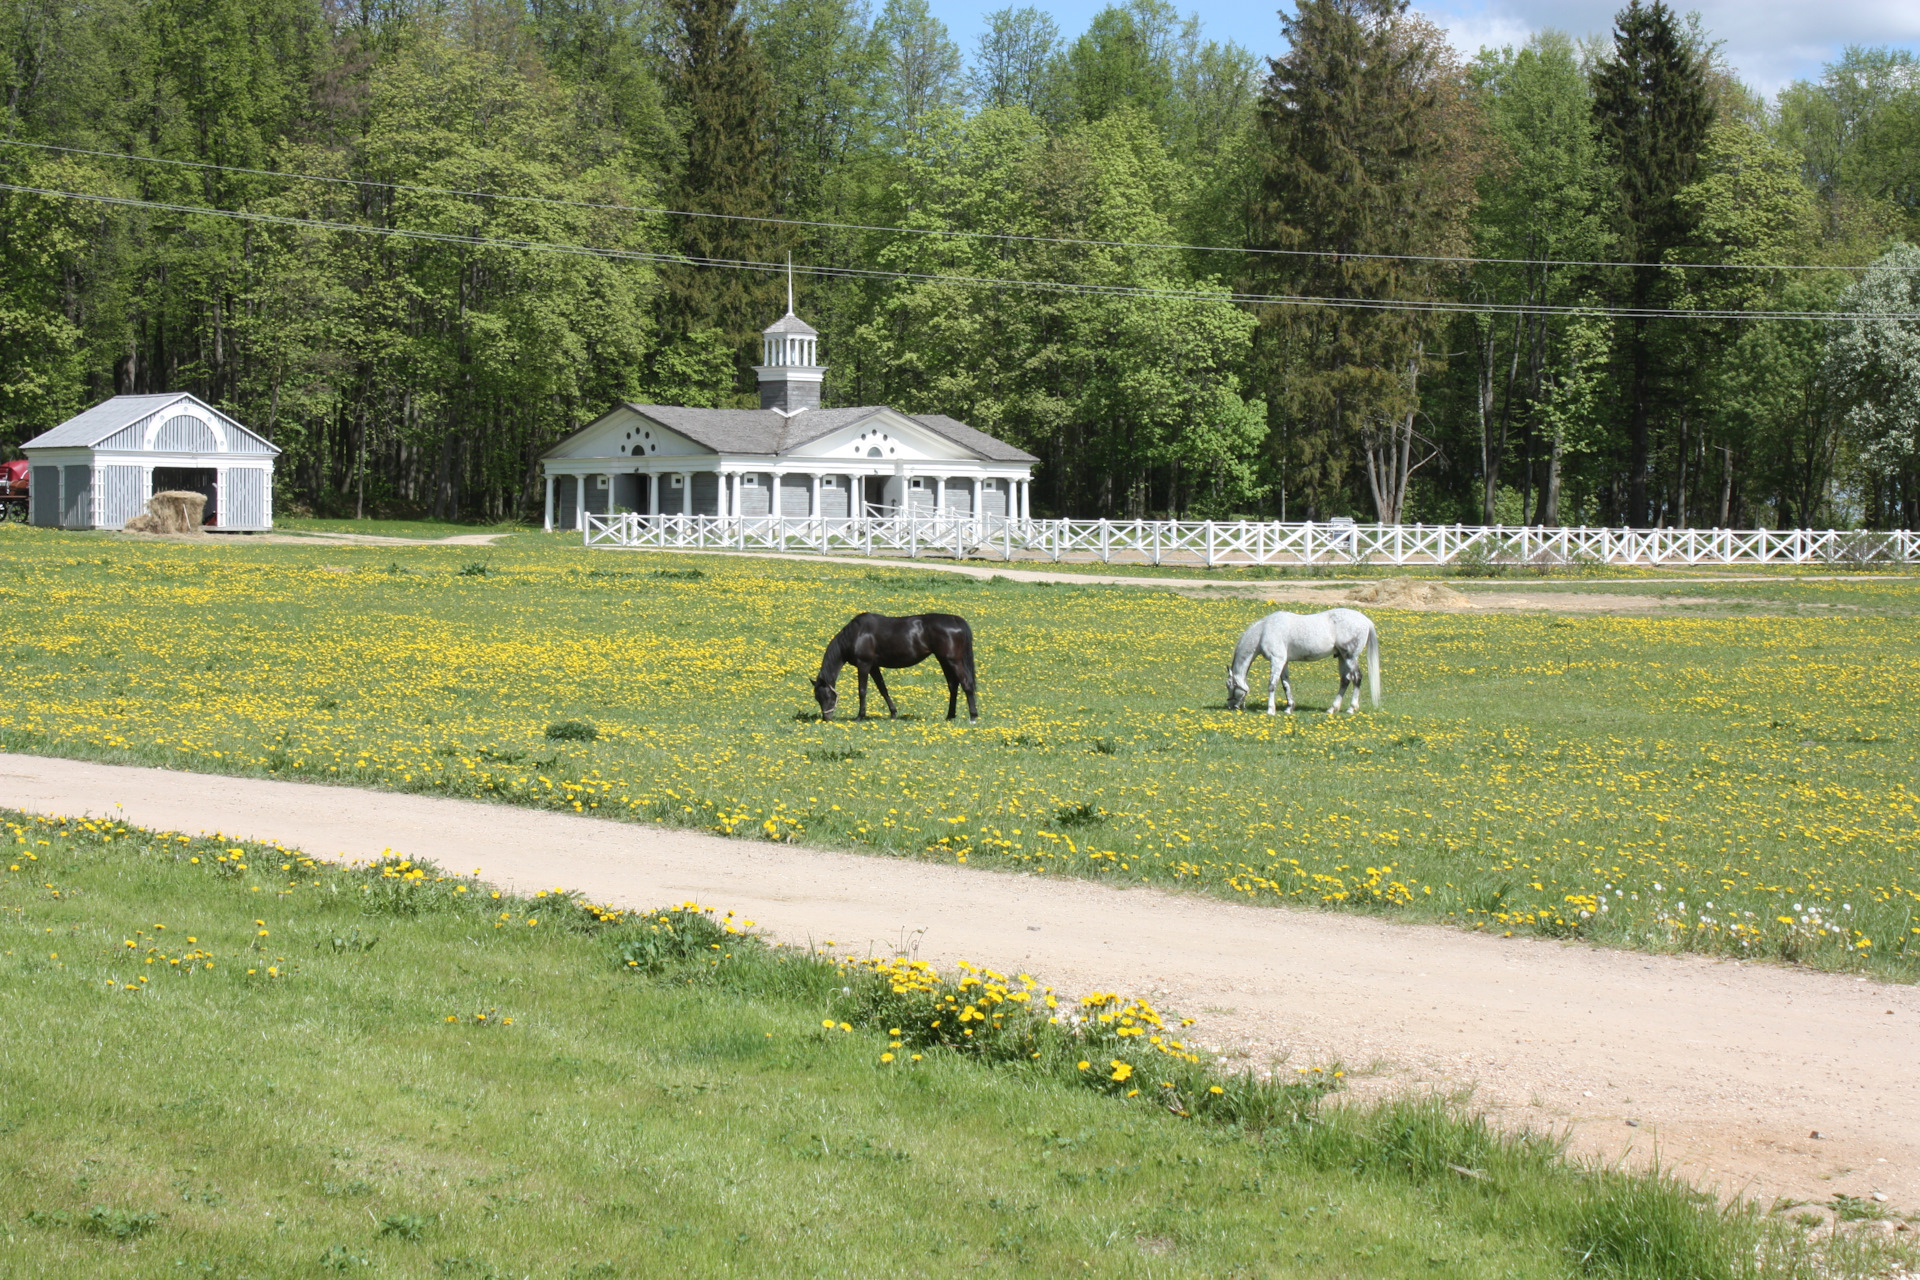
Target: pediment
{"type": "Point", "coordinates": [624, 433]}
{"type": "Point", "coordinates": [898, 437]}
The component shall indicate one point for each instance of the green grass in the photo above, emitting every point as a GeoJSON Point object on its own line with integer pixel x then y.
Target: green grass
{"type": "Point", "coordinates": [323, 1100]}
{"type": "Point", "coordinates": [1739, 782]}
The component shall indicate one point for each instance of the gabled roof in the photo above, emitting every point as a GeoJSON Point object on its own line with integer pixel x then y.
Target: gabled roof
{"type": "Point", "coordinates": [791, 323]}
{"type": "Point", "coordinates": [749, 430]}
{"type": "Point", "coordinates": [764, 432]}
{"type": "Point", "coordinates": [89, 427]}
{"type": "Point", "coordinates": [990, 447]}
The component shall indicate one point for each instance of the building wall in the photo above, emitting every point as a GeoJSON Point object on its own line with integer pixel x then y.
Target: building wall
{"type": "Point", "coordinates": [706, 493]}
{"type": "Point", "coordinates": [834, 500]}
{"type": "Point", "coordinates": [993, 498]}
{"type": "Point", "coordinates": [121, 496]}
{"type": "Point", "coordinates": [796, 496]}
{"type": "Point", "coordinates": [564, 490]}
{"type": "Point", "coordinates": [76, 497]}
{"type": "Point", "coordinates": [755, 499]}
{"type": "Point", "coordinates": [243, 505]}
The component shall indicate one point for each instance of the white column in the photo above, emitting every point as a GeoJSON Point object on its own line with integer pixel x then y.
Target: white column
{"type": "Point", "coordinates": [813, 499]}
{"type": "Point", "coordinates": [653, 493]}
{"type": "Point", "coordinates": [1026, 499]}
{"type": "Point", "coordinates": [580, 503]}
{"type": "Point", "coordinates": [686, 492]}
{"type": "Point", "coordinates": [777, 500]}
{"type": "Point", "coordinates": [548, 527]}
{"type": "Point", "coordinates": [939, 495]}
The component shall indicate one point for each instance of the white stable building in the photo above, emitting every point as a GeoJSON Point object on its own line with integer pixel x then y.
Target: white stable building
{"type": "Point", "coordinates": [97, 469]}
{"type": "Point", "coordinates": [789, 457]}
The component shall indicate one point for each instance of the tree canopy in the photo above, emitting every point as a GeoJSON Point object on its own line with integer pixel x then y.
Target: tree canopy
{"type": "Point", "coordinates": [1370, 275]}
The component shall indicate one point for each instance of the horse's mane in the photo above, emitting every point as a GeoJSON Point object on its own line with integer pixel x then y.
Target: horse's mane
{"type": "Point", "coordinates": [837, 650]}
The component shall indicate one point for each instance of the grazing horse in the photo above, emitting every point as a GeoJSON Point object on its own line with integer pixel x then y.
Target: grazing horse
{"type": "Point", "coordinates": [1291, 637]}
{"type": "Point", "coordinates": [872, 641]}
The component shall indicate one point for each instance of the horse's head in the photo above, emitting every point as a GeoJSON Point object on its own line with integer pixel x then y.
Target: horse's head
{"type": "Point", "coordinates": [1236, 691]}
{"type": "Point", "coordinates": [827, 694]}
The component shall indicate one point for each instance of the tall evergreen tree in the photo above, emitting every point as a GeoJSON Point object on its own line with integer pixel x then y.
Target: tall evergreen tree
{"type": "Point", "coordinates": [1365, 148]}
{"type": "Point", "coordinates": [1650, 99]}
{"type": "Point", "coordinates": [732, 169]}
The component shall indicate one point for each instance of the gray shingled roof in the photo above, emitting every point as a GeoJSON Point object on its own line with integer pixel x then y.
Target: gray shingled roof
{"type": "Point", "coordinates": [990, 447]}
{"type": "Point", "coordinates": [765, 432]}
{"type": "Point", "coordinates": [94, 425]}
{"type": "Point", "coordinates": [91, 426]}
{"type": "Point", "coordinates": [791, 323]}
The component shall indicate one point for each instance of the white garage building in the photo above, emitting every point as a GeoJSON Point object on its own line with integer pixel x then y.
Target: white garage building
{"type": "Point", "coordinates": [788, 458]}
{"type": "Point", "coordinates": [97, 469]}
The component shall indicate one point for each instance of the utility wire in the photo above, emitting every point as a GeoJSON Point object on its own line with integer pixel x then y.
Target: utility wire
{"type": "Point", "coordinates": [1042, 286]}
{"type": "Point", "coordinates": [927, 231]}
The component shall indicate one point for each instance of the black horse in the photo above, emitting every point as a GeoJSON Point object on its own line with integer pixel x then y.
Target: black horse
{"type": "Point", "coordinates": [871, 642]}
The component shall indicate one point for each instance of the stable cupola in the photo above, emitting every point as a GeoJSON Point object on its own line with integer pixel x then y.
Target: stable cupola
{"type": "Point", "coordinates": [791, 373]}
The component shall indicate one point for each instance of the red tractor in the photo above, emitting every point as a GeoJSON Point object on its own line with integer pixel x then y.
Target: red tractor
{"type": "Point", "coordinates": [13, 491]}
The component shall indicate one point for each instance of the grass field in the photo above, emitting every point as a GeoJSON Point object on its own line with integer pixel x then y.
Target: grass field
{"type": "Point", "coordinates": [1737, 780]}
{"type": "Point", "coordinates": [231, 1061]}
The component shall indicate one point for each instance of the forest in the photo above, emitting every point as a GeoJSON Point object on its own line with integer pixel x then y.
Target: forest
{"type": "Point", "coordinates": [1595, 279]}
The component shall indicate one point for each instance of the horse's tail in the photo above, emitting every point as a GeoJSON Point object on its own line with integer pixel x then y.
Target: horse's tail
{"type": "Point", "coordinates": [1373, 663]}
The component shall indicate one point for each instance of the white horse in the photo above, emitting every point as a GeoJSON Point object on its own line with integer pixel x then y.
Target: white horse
{"type": "Point", "coordinates": [1285, 638]}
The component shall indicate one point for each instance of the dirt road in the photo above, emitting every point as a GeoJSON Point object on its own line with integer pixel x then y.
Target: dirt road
{"type": "Point", "coordinates": [1726, 1067]}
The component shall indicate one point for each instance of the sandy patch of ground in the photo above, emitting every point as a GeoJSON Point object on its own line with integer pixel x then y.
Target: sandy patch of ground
{"type": "Point", "coordinates": [1723, 1068]}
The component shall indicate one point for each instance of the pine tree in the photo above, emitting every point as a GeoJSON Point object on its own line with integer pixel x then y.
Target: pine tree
{"type": "Point", "coordinates": [732, 169]}
{"type": "Point", "coordinates": [1652, 105]}
{"type": "Point", "coordinates": [1365, 149]}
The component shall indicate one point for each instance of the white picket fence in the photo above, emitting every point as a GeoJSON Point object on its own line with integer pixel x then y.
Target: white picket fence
{"type": "Point", "coordinates": [1246, 542]}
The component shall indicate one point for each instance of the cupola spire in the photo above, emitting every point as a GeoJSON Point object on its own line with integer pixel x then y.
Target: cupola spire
{"type": "Point", "coordinates": [790, 372]}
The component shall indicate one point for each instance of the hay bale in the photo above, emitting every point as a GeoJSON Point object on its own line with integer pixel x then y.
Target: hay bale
{"type": "Point", "coordinates": [1408, 593]}
{"type": "Point", "coordinates": [172, 511]}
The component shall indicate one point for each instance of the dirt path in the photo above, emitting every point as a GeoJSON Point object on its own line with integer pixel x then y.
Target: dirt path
{"type": "Point", "coordinates": [1726, 1067]}
{"type": "Point", "coordinates": [1325, 593]}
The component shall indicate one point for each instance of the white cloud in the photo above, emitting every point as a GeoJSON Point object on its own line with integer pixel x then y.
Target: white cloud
{"type": "Point", "coordinates": [1770, 41]}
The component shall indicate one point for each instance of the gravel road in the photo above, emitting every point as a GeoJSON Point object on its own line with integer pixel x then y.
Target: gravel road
{"type": "Point", "coordinates": [1724, 1068]}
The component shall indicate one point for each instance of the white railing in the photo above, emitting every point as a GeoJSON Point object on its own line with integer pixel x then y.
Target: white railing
{"type": "Point", "coordinates": [1246, 542]}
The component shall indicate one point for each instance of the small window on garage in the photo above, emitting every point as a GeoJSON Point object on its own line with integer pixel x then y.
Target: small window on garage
{"type": "Point", "coordinates": [919, 484]}
{"type": "Point", "coordinates": [751, 481]}
{"type": "Point", "coordinates": [679, 482]}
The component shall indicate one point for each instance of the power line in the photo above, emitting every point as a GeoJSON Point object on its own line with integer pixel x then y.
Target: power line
{"type": "Point", "coordinates": [1041, 286]}
{"type": "Point", "coordinates": [930, 231]}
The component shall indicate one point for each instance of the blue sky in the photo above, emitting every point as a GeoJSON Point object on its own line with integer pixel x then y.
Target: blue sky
{"type": "Point", "coordinates": [1770, 41]}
